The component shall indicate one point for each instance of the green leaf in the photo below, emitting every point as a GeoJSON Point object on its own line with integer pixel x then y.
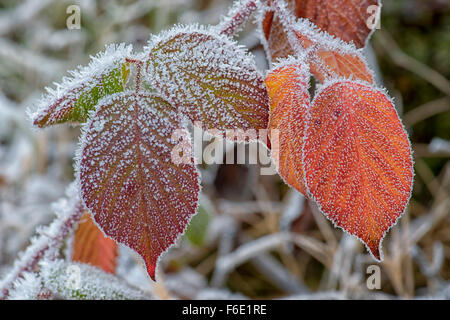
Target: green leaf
{"type": "Point", "coordinates": [196, 231]}
{"type": "Point", "coordinates": [111, 83]}
{"type": "Point", "coordinates": [75, 97]}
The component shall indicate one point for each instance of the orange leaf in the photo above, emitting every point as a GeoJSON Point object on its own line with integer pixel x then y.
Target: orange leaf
{"type": "Point", "coordinates": [357, 160]}
{"type": "Point", "coordinates": [276, 40]}
{"type": "Point", "coordinates": [138, 193]}
{"type": "Point", "coordinates": [341, 62]}
{"type": "Point", "coordinates": [289, 99]}
{"type": "Point", "coordinates": [92, 247]}
{"type": "Point", "coordinates": [330, 64]}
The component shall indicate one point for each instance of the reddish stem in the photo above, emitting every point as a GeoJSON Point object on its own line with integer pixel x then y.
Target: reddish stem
{"type": "Point", "coordinates": [40, 247]}
{"type": "Point", "coordinates": [237, 16]}
{"type": "Point", "coordinates": [138, 79]}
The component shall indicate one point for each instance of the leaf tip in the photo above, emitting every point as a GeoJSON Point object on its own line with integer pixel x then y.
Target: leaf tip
{"type": "Point", "coordinates": [374, 247]}
{"type": "Point", "coordinates": [151, 270]}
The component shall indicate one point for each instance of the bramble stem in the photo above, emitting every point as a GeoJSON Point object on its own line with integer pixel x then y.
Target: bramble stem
{"type": "Point", "coordinates": [237, 16]}
{"type": "Point", "coordinates": [138, 78]}
{"type": "Point", "coordinates": [47, 244]}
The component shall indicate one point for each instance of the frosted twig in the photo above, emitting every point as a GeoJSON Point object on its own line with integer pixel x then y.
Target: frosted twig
{"type": "Point", "coordinates": [325, 295]}
{"type": "Point", "coordinates": [23, 13]}
{"type": "Point", "coordinates": [225, 246]}
{"type": "Point", "coordinates": [440, 145]}
{"type": "Point", "coordinates": [340, 272]}
{"type": "Point", "coordinates": [138, 79]}
{"type": "Point", "coordinates": [45, 67]}
{"type": "Point", "coordinates": [227, 263]}
{"type": "Point", "coordinates": [403, 60]}
{"type": "Point", "coordinates": [219, 294]}
{"type": "Point", "coordinates": [426, 110]}
{"type": "Point", "coordinates": [421, 226]}
{"type": "Point", "coordinates": [185, 284]}
{"type": "Point", "coordinates": [323, 225]}
{"type": "Point", "coordinates": [278, 274]}
{"type": "Point", "coordinates": [430, 270]}
{"type": "Point", "coordinates": [69, 211]}
{"type": "Point", "coordinates": [293, 208]}
{"type": "Point", "coordinates": [423, 150]}
{"type": "Point", "coordinates": [440, 210]}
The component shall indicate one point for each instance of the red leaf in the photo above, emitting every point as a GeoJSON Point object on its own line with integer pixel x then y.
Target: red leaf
{"type": "Point", "coordinates": [289, 100]}
{"type": "Point", "coordinates": [137, 194]}
{"type": "Point", "coordinates": [357, 160]}
{"type": "Point", "coordinates": [92, 247]}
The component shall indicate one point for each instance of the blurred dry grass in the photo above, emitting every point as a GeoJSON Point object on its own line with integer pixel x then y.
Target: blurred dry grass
{"type": "Point", "coordinates": [263, 240]}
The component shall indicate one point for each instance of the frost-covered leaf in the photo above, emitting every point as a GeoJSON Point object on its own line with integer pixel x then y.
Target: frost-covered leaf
{"type": "Point", "coordinates": [329, 64]}
{"type": "Point", "coordinates": [289, 100]}
{"type": "Point", "coordinates": [273, 32]}
{"type": "Point", "coordinates": [92, 247]}
{"type": "Point", "coordinates": [328, 57]}
{"type": "Point", "coordinates": [357, 160]}
{"type": "Point", "coordinates": [348, 20]}
{"type": "Point", "coordinates": [76, 96]}
{"type": "Point", "coordinates": [209, 78]}
{"type": "Point", "coordinates": [137, 193]}
{"type": "Point", "coordinates": [78, 281]}
{"type": "Point", "coordinates": [331, 58]}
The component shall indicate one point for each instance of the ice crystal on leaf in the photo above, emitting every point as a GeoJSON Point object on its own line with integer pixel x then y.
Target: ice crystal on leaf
{"type": "Point", "coordinates": [355, 156]}
{"type": "Point", "coordinates": [348, 20]}
{"type": "Point", "coordinates": [357, 160]}
{"type": "Point", "coordinates": [347, 149]}
{"type": "Point", "coordinates": [73, 99]}
{"type": "Point", "coordinates": [209, 78]}
{"type": "Point", "coordinates": [330, 57]}
{"type": "Point", "coordinates": [137, 195]}
{"type": "Point", "coordinates": [92, 284]}
{"type": "Point", "coordinates": [26, 288]}
{"type": "Point", "coordinates": [344, 19]}
{"type": "Point", "coordinates": [289, 100]}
